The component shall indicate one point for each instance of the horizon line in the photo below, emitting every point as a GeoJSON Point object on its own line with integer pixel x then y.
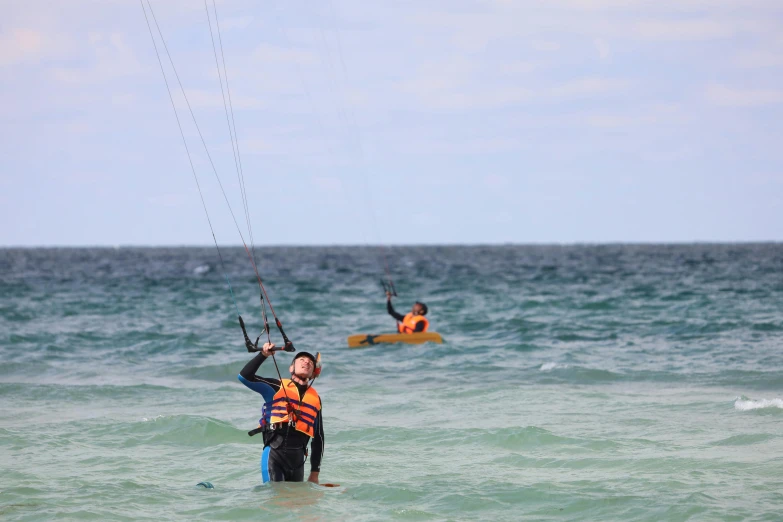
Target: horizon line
{"type": "Point", "coordinates": [404, 245]}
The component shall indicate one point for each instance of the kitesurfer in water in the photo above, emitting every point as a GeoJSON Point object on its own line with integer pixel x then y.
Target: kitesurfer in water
{"type": "Point", "coordinates": [291, 417]}
{"type": "Point", "coordinates": [412, 322]}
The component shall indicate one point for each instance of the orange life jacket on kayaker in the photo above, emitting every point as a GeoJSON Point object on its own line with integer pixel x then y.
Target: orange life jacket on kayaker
{"type": "Point", "coordinates": [305, 409]}
{"type": "Point", "coordinates": [409, 322]}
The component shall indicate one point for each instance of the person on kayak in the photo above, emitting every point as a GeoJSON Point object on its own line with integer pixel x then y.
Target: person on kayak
{"type": "Point", "coordinates": [291, 417]}
{"type": "Point", "coordinates": [412, 322]}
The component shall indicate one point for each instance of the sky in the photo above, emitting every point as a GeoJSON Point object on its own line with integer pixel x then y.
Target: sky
{"type": "Point", "coordinates": [392, 122]}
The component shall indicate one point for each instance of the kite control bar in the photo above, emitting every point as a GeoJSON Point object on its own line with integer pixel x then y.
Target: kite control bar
{"type": "Point", "coordinates": [388, 287]}
{"type": "Point", "coordinates": [253, 347]}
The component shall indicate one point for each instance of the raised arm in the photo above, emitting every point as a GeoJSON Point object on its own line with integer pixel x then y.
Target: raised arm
{"type": "Point", "coordinates": [265, 386]}
{"type": "Point", "coordinates": [392, 311]}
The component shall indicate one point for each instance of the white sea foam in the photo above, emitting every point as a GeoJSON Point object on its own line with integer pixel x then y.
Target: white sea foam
{"type": "Point", "coordinates": [203, 269]}
{"type": "Point", "coordinates": [548, 367]}
{"type": "Point", "coordinates": [750, 404]}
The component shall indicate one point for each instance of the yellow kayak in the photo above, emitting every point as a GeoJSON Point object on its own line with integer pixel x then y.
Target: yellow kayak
{"type": "Point", "coordinates": [365, 340]}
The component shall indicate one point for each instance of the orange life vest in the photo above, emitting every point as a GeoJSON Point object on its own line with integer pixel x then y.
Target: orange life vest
{"type": "Point", "coordinates": [305, 409]}
{"type": "Point", "coordinates": [409, 322]}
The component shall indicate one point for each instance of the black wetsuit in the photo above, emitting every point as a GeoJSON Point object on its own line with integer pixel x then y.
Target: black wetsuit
{"type": "Point", "coordinates": [288, 447]}
{"type": "Point", "coordinates": [399, 317]}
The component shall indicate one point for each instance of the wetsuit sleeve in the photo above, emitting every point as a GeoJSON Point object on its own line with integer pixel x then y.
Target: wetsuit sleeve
{"type": "Point", "coordinates": [419, 327]}
{"type": "Point", "coordinates": [317, 445]}
{"type": "Point", "coordinates": [263, 385]}
{"type": "Point", "coordinates": [392, 312]}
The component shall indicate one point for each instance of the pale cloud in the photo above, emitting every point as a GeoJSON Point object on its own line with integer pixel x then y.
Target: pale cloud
{"type": "Point", "coordinates": [545, 46]}
{"type": "Point", "coordinates": [78, 127]}
{"type": "Point", "coordinates": [127, 99]}
{"type": "Point", "coordinates": [597, 5]}
{"type": "Point", "coordinates": [496, 180]}
{"type": "Point", "coordinates": [604, 52]}
{"type": "Point", "coordinates": [475, 145]}
{"type": "Point", "coordinates": [443, 85]}
{"type": "Point", "coordinates": [21, 45]}
{"type": "Point", "coordinates": [266, 53]}
{"type": "Point", "coordinates": [213, 99]}
{"type": "Point", "coordinates": [502, 218]}
{"type": "Point", "coordinates": [467, 84]}
{"type": "Point", "coordinates": [648, 6]}
{"type": "Point", "coordinates": [460, 85]}
{"type": "Point", "coordinates": [476, 98]}
{"type": "Point", "coordinates": [507, 95]}
{"type": "Point", "coordinates": [474, 30]}
{"type": "Point", "coordinates": [759, 59]}
{"type": "Point", "coordinates": [170, 200]}
{"type": "Point", "coordinates": [645, 116]}
{"type": "Point", "coordinates": [733, 97]}
{"type": "Point", "coordinates": [472, 41]}
{"type": "Point", "coordinates": [69, 75]}
{"type": "Point", "coordinates": [517, 67]}
{"type": "Point", "coordinates": [674, 30]}
{"type": "Point", "coordinates": [85, 177]}
{"type": "Point", "coordinates": [284, 145]}
{"type": "Point", "coordinates": [237, 22]}
{"type": "Point", "coordinates": [588, 87]}
{"type": "Point", "coordinates": [439, 76]}
{"type": "Point", "coordinates": [110, 57]}
{"type": "Point", "coordinates": [769, 180]}
{"type": "Point", "coordinates": [665, 20]}
{"type": "Point", "coordinates": [357, 99]}
{"type": "Point", "coordinates": [332, 185]}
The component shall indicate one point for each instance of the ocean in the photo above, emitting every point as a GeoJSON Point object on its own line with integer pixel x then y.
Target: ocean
{"type": "Point", "coordinates": [585, 382]}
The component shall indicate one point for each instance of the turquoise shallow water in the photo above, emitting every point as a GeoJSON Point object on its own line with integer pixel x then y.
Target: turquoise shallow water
{"type": "Point", "coordinates": [576, 383]}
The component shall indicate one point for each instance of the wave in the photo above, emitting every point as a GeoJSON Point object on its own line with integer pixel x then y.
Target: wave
{"type": "Point", "coordinates": [214, 373]}
{"type": "Point", "coordinates": [531, 437]}
{"type": "Point", "coordinates": [745, 404]}
{"type": "Point", "coordinates": [548, 367]}
{"type": "Point", "coordinates": [202, 269]}
{"type": "Point", "coordinates": [767, 327]}
{"type": "Point", "coordinates": [744, 439]}
{"type": "Point", "coordinates": [182, 430]}
{"type": "Point", "coordinates": [558, 372]}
